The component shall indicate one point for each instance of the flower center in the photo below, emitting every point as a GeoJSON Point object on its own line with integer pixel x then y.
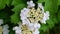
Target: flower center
{"type": "Point", "coordinates": [25, 30]}
{"type": "Point", "coordinates": [35, 15]}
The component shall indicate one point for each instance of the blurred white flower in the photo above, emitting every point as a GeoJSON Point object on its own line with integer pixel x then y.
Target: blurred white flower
{"type": "Point", "coordinates": [46, 17]}
{"type": "Point", "coordinates": [30, 4]}
{"type": "Point", "coordinates": [24, 15]}
{"type": "Point", "coordinates": [41, 7]}
{"type": "Point", "coordinates": [5, 29]}
{"type": "Point", "coordinates": [36, 31]}
{"type": "Point", "coordinates": [1, 21]}
{"type": "Point", "coordinates": [37, 25]}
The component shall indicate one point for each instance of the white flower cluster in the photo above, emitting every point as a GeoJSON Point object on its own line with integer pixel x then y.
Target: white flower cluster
{"type": "Point", "coordinates": [30, 17]}
{"type": "Point", "coordinates": [4, 28]}
{"type": "Point", "coordinates": [27, 29]}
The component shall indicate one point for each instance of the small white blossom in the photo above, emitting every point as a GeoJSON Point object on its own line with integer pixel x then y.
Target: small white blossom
{"type": "Point", "coordinates": [46, 17]}
{"type": "Point", "coordinates": [17, 30]}
{"type": "Point", "coordinates": [30, 4]}
{"type": "Point", "coordinates": [25, 21]}
{"type": "Point", "coordinates": [33, 26]}
{"type": "Point", "coordinates": [36, 31]}
{"type": "Point", "coordinates": [37, 25]}
{"type": "Point", "coordinates": [24, 13]}
{"type": "Point", "coordinates": [41, 7]}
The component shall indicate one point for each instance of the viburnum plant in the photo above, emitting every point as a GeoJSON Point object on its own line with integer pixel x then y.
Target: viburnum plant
{"type": "Point", "coordinates": [30, 19]}
{"type": "Point", "coordinates": [31, 16]}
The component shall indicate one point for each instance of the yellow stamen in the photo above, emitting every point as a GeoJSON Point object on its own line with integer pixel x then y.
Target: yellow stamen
{"type": "Point", "coordinates": [35, 15]}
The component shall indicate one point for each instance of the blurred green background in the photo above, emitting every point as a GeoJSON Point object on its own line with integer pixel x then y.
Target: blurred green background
{"type": "Point", "coordinates": [10, 13]}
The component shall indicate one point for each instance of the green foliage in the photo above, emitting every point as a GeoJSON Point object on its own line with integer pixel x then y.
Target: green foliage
{"type": "Point", "coordinates": [51, 6]}
{"type": "Point", "coordinates": [8, 2]}
{"type": "Point", "coordinates": [15, 17]}
{"type": "Point", "coordinates": [2, 4]}
{"type": "Point", "coordinates": [58, 2]}
{"type": "Point", "coordinates": [16, 2]}
{"type": "Point", "coordinates": [59, 15]}
{"type": "Point", "coordinates": [44, 28]}
{"type": "Point", "coordinates": [40, 1]}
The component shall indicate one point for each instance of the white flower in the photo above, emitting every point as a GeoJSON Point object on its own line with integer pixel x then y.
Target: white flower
{"type": "Point", "coordinates": [5, 29]}
{"type": "Point", "coordinates": [36, 31]}
{"type": "Point", "coordinates": [17, 30]}
{"type": "Point", "coordinates": [25, 21]}
{"type": "Point", "coordinates": [41, 7]}
{"type": "Point", "coordinates": [1, 21]}
{"type": "Point", "coordinates": [6, 32]}
{"type": "Point", "coordinates": [37, 25]}
{"type": "Point", "coordinates": [30, 4]}
{"type": "Point", "coordinates": [46, 17]}
{"type": "Point", "coordinates": [32, 27]}
{"type": "Point", "coordinates": [30, 17]}
{"type": "Point", "coordinates": [24, 13]}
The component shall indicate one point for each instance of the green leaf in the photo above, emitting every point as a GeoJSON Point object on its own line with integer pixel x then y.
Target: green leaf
{"type": "Point", "coordinates": [52, 21]}
{"type": "Point", "coordinates": [16, 2]}
{"type": "Point", "coordinates": [59, 15]}
{"type": "Point", "coordinates": [8, 2]}
{"type": "Point", "coordinates": [44, 28]}
{"type": "Point", "coordinates": [15, 18]}
{"type": "Point", "coordinates": [40, 1]}
{"type": "Point", "coordinates": [2, 4]}
{"type": "Point", "coordinates": [17, 8]}
{"type": "Point", "coordinates": [51, 5]}
{"type": "Point", "coordinates": [58, 2]}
